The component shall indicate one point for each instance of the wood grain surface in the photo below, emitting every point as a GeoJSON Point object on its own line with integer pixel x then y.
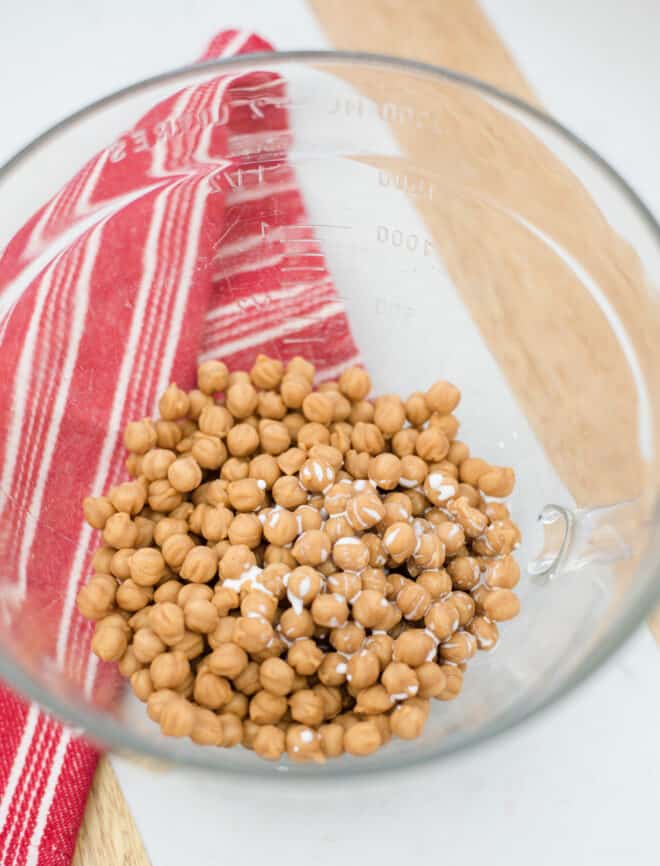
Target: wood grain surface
{"type": "Point", "coordinates": [551, 338]}
{"type": "Point", "coordinates": [456, 34]}
{"type": "Point", "coordinates": [108, 835]}
{"type": "Point", "coordinates": [452, 33]}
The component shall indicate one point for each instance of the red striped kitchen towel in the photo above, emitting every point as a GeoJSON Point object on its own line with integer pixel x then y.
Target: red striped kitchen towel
{"type": "Point", "coordinates": [167, 267]}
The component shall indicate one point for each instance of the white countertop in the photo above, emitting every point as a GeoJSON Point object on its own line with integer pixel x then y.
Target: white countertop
{"type": "Point", "coordinates": [578, 785]}
{"type": "Point", "coordinates": [580, 782]}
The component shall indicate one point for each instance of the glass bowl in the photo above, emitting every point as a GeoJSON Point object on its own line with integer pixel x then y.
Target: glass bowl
{"type": "Point", "coordinates": [467, 236]}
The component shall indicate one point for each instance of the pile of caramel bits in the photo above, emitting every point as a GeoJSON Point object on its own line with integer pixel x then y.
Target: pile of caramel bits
{"type": "Point", "coordinates": [295, 570]}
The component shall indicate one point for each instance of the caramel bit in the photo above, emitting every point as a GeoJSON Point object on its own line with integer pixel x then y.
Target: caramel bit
{"type": "Point", "coordinates": [299, 570]}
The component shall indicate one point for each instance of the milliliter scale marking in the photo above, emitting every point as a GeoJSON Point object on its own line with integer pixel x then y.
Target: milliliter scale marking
{"type": "Point", "coordinates": [288, 237]}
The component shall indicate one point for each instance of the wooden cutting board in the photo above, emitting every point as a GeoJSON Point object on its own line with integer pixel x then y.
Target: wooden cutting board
{"type": "Point", "coordinates": [452, 33]}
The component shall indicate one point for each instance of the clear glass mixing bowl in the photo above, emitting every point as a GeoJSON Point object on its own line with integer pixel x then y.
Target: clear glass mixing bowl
{"type": "Point", "coordinates": [470, 238]}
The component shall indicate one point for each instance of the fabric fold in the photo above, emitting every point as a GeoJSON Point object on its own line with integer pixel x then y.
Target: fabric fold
{"type": "Point", "coordinates": [185, 248]}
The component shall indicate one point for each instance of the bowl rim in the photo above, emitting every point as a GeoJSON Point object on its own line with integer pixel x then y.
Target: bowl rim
{"type": "Point", "coordinates": [103, 729]}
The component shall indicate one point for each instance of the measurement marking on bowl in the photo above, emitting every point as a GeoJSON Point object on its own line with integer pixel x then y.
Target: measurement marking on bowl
{"type": "Point", "coordinates": [411, 184]}
{"type": "Point", "coordinates": [403, 240]}
{"type": "Point", "coordinates": [394, 308]}
{"type": "Point", "coordinates": [266, 227]}
{"type": "Point", "coordinates": [306, 320]}
{"type": "Point", "coordinates": [325, 226]}
{"type": "Point", "coordinates": [307, 254]}
{"type": "Point", "coordinates": [300, 241]}
{"type": "Point", "coordinates": [303, 268]}
{"type": "Point", "coordinates": [390, 112]}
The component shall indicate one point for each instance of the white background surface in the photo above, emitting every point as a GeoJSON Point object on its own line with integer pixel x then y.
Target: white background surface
{"type": "Point", "coordinates": [580, 783]}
